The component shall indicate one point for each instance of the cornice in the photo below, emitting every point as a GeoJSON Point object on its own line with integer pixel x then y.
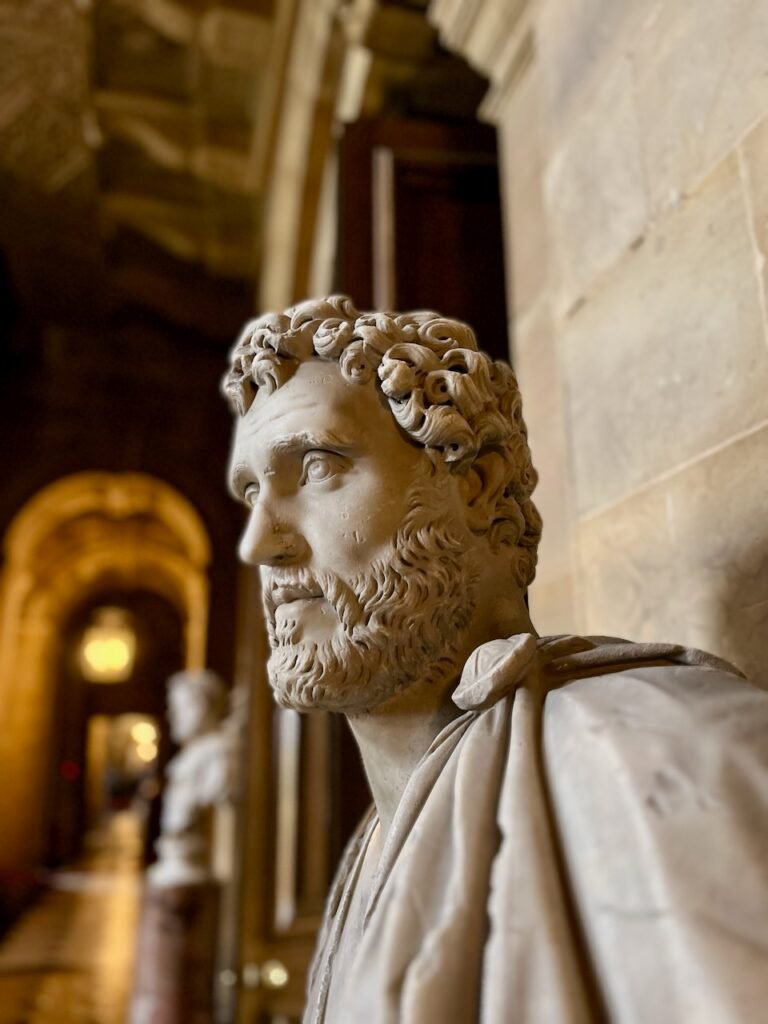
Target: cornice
{"type": "Point", "coordinates": [494, 36]}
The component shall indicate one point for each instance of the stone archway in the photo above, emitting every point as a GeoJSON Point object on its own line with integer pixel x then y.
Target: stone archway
{"type": "Point", "coordinates": [76, 537]}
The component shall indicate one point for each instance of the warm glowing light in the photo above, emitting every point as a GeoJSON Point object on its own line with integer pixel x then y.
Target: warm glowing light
{"type": "Point", "coordinates": [107, 654]}
{"type": "Point", "coordinates": [108, 647]}
{"type": "Point", "coordinates": [143, 732]}
{"type": "Point", "coordinates": [147, 752]}
{"type": "Point", "coordinates": [274, 974]}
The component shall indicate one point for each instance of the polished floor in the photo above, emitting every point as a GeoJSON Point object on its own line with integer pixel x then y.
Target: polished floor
{"type": "Point", "coordinates": [69, 959]}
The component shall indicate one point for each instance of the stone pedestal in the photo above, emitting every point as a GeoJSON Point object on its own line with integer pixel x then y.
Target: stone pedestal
{"type": "Point", "coordinates": [182, 862]}
{"type": "Point", "coordinates": [176, 955]}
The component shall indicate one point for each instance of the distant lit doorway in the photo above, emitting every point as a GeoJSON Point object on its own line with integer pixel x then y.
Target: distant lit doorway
{"type": "Point", "coordinates": [121, 772]}
{"type": "Point", "coordinates": [110, 742]}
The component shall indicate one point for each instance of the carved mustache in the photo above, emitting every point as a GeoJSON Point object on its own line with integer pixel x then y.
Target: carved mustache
{"type": "Point", "coordinates": [281, 586]}
{"type": "Point", "coordinates": [284, 594]}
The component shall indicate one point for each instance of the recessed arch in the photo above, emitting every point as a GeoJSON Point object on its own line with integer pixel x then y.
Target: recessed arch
{"type": "Point", "coordinates": [78, 536]}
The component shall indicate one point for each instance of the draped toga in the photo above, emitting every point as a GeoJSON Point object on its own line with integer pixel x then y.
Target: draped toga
{"type": "Point", "coordinates": [587, 842]}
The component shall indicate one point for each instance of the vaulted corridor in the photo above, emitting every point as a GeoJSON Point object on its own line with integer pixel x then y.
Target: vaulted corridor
{"type": "Point", "coordinates": [69, 959]}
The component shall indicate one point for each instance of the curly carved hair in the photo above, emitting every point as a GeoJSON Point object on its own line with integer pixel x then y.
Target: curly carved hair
{"type": "Point", "coordinates": [444, 393]}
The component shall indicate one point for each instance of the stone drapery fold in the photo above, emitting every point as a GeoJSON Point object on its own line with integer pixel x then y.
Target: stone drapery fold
{"type": "Point", "coordinates": [588, 845]}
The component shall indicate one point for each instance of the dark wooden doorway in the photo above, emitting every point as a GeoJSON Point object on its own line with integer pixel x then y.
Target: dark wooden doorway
{"type": "Point", "coordinates": [420, 222]}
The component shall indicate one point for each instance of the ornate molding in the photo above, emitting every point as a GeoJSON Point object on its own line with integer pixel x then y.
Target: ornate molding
{"type": "Point", "coordinates": [166, 133]}
{"type": "Point", "coordinates": [225, 36]}
{"type": "Point", "coordinates": [297, 133]}
{"type": "Point", "coordinates": [494, 36]}
{"type": "Point", "coordinates": [43, 85]}
{"type": "Point", "coordinates": [197, 233]}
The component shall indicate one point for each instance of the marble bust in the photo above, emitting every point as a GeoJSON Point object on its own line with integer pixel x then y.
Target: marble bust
{"type": "Point", "coordinates": [563, 828]}
{"type": "Point", "coordinates": [198, 778]}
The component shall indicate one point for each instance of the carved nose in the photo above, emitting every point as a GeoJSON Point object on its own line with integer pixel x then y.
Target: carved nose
{"type": "Point", "coordinates": [265, 541]}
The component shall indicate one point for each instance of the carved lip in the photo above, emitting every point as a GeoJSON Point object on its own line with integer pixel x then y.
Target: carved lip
{"type": "Point", "coordinates": [288, 594]}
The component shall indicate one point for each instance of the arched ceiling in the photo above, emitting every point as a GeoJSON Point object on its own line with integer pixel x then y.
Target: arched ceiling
{"type": "Point", "coordinates": [137, 140]}
{"type": "Point", "coordinates": [127, 168]}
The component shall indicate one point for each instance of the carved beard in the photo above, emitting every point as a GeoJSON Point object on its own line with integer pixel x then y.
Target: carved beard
{"type": "Point", "coordinates": [402, 621]}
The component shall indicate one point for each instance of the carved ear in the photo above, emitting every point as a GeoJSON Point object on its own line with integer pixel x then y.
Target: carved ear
{"type": "Point", "coordinates": [481, 488]}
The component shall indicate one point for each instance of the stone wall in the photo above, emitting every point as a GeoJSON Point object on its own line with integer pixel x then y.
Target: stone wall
{"type": "Point", "coordinates": [635, 162]}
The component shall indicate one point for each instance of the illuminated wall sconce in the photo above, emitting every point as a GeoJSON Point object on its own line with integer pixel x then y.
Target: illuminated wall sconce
{"type": "Point", "coordinates": [108, 647]}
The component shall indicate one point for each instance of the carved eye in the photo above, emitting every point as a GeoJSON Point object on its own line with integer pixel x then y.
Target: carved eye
{"type": "Point", "coordinates": [320, 466]}
{"type": "Point", "coordinates": [251, 495]}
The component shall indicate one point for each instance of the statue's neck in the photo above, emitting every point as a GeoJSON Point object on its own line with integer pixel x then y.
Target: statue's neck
{"type": "Point", "coordinates": [395, 736]}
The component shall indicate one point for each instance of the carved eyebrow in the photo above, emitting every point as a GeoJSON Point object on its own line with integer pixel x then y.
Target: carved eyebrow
{"type": "Point", "coordinates": [238, 479]}
{"type": "Point", "coordinates": [306, 440]}
{"type": "Point", "coordinates": [241, 475]}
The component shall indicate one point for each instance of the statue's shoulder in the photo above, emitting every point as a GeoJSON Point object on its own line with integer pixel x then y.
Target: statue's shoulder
{"type": "Point", "coordinates": [612, 702]}
{"type": "Point", "coordinates": [690, 688]}
{"type": "Point", "coordinates": [678, 710]}
{"type": "Point", "coordinates": [617, 680]}
{"type": "Point", "coordinates": [199, 756]}
{"type": "Point", "coordinates": [657, 780]}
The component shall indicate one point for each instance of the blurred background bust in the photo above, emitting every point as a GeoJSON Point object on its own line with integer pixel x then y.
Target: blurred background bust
{"type": "Point", "coordinates": [199, 777]}
{"type": "Point", "coordinates": [197, 702]}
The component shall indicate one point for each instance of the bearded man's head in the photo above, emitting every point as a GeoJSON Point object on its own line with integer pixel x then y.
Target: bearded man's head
{"type": "Point", "coordinates": [367, 567]}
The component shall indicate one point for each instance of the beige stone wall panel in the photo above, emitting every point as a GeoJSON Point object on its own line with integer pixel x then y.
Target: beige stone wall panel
{"type": "Point", "coordinates": [536, 363]}
{"type": "Point", "coordinates": [754, 167]}
{"type": "Point", "coordinates": [718, 520]}
{"type": "Point", "coordinates": [701, 73]}
{"type": "Point", "coordinates": [670, 359]}
{"type": "Point", "coordinates": [525, 223]}
{"type": "Point", "coordinates": [552, 603]}
{"type": "Point", "coordinates": [687, 559]}
{"type": "Point", "coordinates": [595, 187]}
{"type": "Point", "coordinates": [630, 579]}
{"type": "Point", "coordinates": [578, 41]}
